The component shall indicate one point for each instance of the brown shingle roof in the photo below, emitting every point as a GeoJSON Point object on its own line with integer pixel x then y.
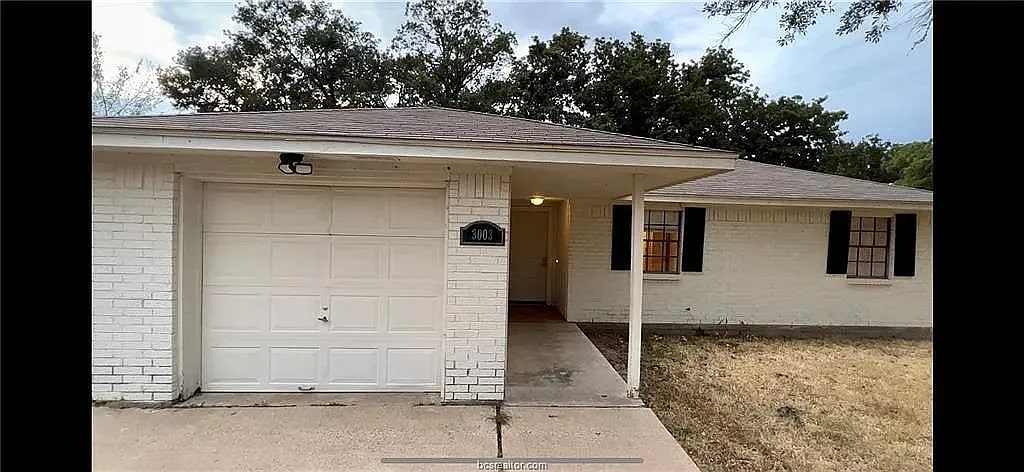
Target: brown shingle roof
{"type": "Point", "coordinates": [765, 181]}
{"type": "Point", "coordinates": [431, 123]}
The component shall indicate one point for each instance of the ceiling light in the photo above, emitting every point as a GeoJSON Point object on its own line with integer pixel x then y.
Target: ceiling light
{"type": "Point", "coordinates": [536, 200]}
{"type": "Point", "coordinates": [291, 163]}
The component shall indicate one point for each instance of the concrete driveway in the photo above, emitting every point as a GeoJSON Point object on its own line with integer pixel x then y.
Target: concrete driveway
{"type": "Point", "coordinates": [297, 436]}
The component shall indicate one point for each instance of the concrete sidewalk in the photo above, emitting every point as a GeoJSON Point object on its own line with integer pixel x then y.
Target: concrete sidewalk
{"type": "Point", "coordinates": [357, 437]}
{"type": "Point", "coordinates": [555, 364]}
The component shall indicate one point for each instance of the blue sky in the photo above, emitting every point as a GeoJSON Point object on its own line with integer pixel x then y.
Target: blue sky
{"type": "Point", "coordinates": [886, 87]}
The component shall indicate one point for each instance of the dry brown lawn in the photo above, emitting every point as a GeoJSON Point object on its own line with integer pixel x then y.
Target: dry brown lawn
{"type": "Point", "coordinates": [748, 404]}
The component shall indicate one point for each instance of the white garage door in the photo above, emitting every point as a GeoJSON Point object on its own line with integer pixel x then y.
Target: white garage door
{"type": "Point", "coordinates": [331, 289]}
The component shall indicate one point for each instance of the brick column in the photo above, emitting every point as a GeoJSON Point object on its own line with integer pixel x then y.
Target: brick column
{"type": "Point", "coordinates": [476, 310]}
{"type": "Point", "coordinates": [133, 289]}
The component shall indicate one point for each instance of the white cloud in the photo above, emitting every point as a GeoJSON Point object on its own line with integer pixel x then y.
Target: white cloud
{"type": "Point", "coordinates": [130, 31]}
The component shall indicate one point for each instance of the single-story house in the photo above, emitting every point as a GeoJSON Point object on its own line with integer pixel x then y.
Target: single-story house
{"type": "Point", "coordinates": [379, 250]}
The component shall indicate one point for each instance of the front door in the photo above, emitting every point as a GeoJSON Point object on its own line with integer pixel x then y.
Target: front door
{"type": "Point", "coordinates": [528, 255]}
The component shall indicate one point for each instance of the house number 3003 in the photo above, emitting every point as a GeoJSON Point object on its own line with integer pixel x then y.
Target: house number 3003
{"type": "Point", "coordinates": [482, 233]}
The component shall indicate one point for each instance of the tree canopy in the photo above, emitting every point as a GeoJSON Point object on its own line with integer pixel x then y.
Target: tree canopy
{"type": "Point", "coordinates": [796, 16]}
{"type": "Point", "coordinates": [289, 54]}
{"type": "Point", "coordinates": [133, 91]}
{"type": "Point", "coordinates": [449, 53]}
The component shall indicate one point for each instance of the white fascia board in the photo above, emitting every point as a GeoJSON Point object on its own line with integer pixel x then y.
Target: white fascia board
{"type": "Point", "coordinates": [426, 149]}
{"type": "Point", "coordinates": [792, 202]}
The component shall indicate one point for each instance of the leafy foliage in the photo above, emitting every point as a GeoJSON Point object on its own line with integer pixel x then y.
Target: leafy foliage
{"type": "Point", "coordinates": [912, 162]}
{"type": "Point", "coordinates": [295, 55]}
{"type": "Point", "coordinates": [450, 54]}
{"type": "Point", "coordinates": [868, 159]}
{"type": "Point", "coordinates": [797, 16]}
{"type": "Point", "coordinates": [288, 55]}
{"type": "Point", "coordinates": [548, 83]}
{"type": "Point", "coordinates": [130, 92]}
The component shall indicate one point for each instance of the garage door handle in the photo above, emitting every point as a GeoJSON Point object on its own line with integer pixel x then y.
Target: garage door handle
{"type": "Point", "coordinates": [323, 318]}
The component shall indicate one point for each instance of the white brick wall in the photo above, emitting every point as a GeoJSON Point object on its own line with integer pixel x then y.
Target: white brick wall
{"type": "Point", "coordinates": [477, 291]}
{"type": "Point", "coordinates": [133, 288]}
{"type": "Point", "coordinates": [762, 265]}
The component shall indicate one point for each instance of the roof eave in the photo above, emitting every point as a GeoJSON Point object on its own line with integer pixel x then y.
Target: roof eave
{"type": "Point", "coordinates": [794, 202]}
{"type": "Point", "coordinates": [169, 139]}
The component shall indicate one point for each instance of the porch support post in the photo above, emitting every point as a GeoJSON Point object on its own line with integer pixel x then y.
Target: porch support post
{"type": "Point", "coordinates": [636, 287]}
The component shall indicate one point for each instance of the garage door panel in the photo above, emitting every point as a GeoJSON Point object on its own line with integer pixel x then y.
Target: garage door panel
{"type": "Point", "coordinates": [299, 260]}
{"type": "Point", "coordinates": [289, 313]}
{"type": "Point", "coordinates": [294, 365]}
{"type": "Point", "coordinates": [412, 260]}
{"type": "Point", "coordinates": [235, 312]}
{"type": "Point", "coordinates": [302, 211]}
{"type": "Point", "coordinates": [230, 259]}
{"type": "Point", "coordinates": [355, 314]}
{"type": "Point", "coordinates": [239, 365]}
{"type": "Point", "coordinates": [358, 211]}
{"type": "Point", "coordinates": [416, 213]}
{"type": "Point", "coordinates": [413, 314]}
{"type": "Point", "coordinates": [412, 366]}
{"type": "Point", "coordinates": [354, 258]}
{"type": "Point", "coordinates": [354, 366]}
{"type": "Point", "coordinates": [236, 209]}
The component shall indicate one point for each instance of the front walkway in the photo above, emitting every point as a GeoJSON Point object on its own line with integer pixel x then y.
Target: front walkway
{"type": "Point", "coordinates": [554, 364]}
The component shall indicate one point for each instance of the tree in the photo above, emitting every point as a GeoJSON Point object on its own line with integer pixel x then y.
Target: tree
{"type": "Point", "coordinates": [797, 16]}
{"type": "Point", "coordinates": [632, 86]}
{"type": "Point", "coordinates": [548, 83]}
{"type": "Point", "coordinates": [787, 131]}
{"type": "Point", "coordinates": [130, 92]}
{"type": "Point", "coordinates": [912, 162]}
{"type": "Point", "coordinates": [288, 54]}
{"type": "Point", "coordinates": [448, 53]}
{"type": "Point", "coordinates": [868, 159]}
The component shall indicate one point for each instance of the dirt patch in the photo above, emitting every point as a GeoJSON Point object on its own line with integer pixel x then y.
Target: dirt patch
{"type": "Point", "coordinates": [749, 404]}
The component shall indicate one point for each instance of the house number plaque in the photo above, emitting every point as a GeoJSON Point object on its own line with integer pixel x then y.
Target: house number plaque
{"type": "Point", "coordinates": [482, 233]}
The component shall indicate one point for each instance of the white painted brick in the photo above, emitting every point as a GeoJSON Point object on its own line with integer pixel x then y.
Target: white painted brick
{"type": "Point", "coordinates": [133, 238]}
{"type": "Point", "coordinates": [761, 266]}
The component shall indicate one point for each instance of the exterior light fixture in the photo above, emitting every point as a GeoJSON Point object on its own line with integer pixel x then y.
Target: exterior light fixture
{"type": "Point", "coordinates": [536, 200]}
{"type": "Point", "coordinates": [291, 163]}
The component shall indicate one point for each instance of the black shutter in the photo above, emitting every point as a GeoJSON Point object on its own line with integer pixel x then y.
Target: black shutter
{"type": "Point", "coordinates": [622, 222]}
{"type": "Point", "coordinates": [693, 239]}
{"type": "Point", "coordinates": [905, 245]}
{"type": "Point", "coordinates": [838, 241]}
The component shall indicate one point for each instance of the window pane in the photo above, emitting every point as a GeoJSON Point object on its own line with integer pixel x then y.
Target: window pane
{"type": "Point", "coordinates": [851, 268]}
{"type": "Point", "coordinates": [867, 239]}
{"type": "Point", "coordinates": [878, 254]}
{"type": "Point", "coordinates": [881, 224]}
{"type": "Point", "coordinates": [673, 249]}
{"type": "Point", "coordinates": [655, 248]}
{"type": "Point", "coordinates": [864, 254]}
{"type": "Point", "coordinates": [855, 223]}
{"type": "Point", "coordinates": [867, 223]}
{"type": "Point", "coordinates": [864, 268]}
{"type": "Point", "coordinates": [672, 217]}
{"type": "Point", "coordinates": [881, 239]}
{"type": "Point", "coordinates": [855, 238]}
{"type": "Point", "coordinates": [656, 217]}
{"type": "Point", "coordinates": [853, 254]}
{"type": "Point", "coordinates": [671, 235]}
{"type": "Point", "coordinates": [673, 264]}
{"type": "Point", "coordinates": [878, 270]}
{"type": "Point", "coordinates": [655, 264]}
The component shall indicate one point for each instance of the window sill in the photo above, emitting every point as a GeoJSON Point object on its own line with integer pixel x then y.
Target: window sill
{"type": "Point", "coordinates": [661, 276]}
{"type": "Point", "coordinates": [855, 281]}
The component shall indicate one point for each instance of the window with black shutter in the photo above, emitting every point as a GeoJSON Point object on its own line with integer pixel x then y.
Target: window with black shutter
{"type": "Point", "coordinates": [666, 240]}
